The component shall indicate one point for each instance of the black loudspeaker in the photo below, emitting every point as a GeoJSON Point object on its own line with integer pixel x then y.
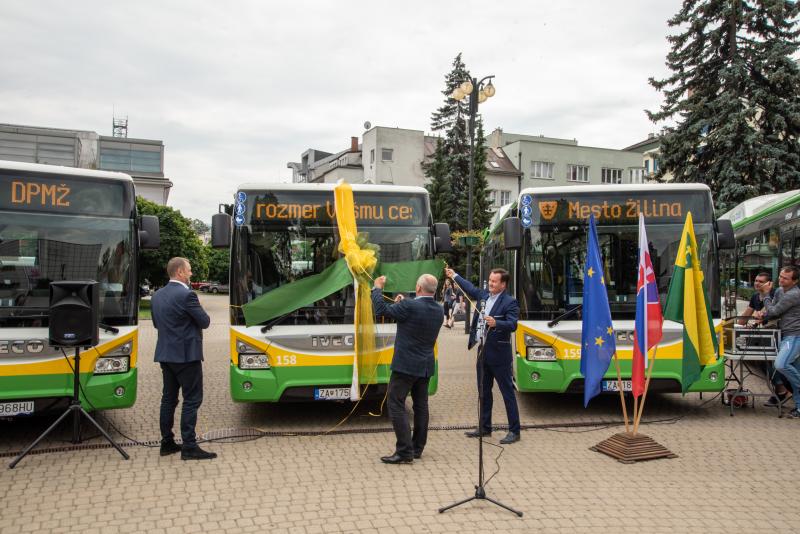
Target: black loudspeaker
{"type": "Point", "coordinates": [74, 309]}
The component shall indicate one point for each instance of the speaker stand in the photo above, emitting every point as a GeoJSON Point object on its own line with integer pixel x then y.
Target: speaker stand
{"type": "Point", "coordinates": [76, 410]}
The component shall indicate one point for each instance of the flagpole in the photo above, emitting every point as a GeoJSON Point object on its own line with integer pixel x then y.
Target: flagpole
{"type": "Point", "coordinates": [646, 387]}
{"type": "Point", "coordinates": [621, 393]}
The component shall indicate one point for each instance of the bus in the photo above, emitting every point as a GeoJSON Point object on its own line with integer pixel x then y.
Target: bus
{"type": "Point", "coordinates": [541, 240]}
{"type": "Point", "coordinates": [62, 223]}
{"type": "Point", "coordinates": [767, 233]}
{"type": "Point", "coordinates": [280, 233]}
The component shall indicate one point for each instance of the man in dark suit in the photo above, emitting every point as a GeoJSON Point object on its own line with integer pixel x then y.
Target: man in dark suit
{"type": "Point", "coordinates": [180, 320]}
{"type": "Point", "coordinates": [498, 322]}
{"type": "Point", "coordinates": [418, 323]}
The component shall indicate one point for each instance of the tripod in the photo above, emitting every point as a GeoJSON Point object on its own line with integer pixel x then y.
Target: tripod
{"type": "Point", "coordinates": [480, 490]}
{"type": "Point", "coordinates": [76, 410]}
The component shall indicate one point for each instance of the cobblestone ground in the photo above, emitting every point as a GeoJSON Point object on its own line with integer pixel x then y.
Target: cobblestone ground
{"type": "Point", "coordinates": [732, 473]}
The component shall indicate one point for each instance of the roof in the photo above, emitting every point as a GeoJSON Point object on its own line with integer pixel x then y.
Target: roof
{"type": "Point", "coordinates": [498, 162]}
{"type": "Point", "coordinates": [756, 208]}
{"type": "Point", "coordinates": [58, 169]}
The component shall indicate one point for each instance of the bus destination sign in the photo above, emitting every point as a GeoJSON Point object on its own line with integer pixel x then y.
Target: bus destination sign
{"type": "Point", "coordinates": [62, 195]}
{"type": "Point", "coordinates": [671, 207]}
{"type": "Point", "coordinates": [291, 207]}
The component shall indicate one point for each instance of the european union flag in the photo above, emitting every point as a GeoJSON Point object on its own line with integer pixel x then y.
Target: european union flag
{"type": "Point", "coordinates": [597, 337]}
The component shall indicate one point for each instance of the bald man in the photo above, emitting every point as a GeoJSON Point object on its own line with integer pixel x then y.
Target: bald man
{"type": "Point", "coordinates": [418, 323]}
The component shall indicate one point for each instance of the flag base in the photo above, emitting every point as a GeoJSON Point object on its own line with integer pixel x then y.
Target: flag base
{"type": "Point", "coordinates": [628, 449]}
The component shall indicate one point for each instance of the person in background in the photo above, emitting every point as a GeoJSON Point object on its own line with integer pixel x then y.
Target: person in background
{"type": "Point", "coordinates": [786, 306]}
{"type": "Point", "coordinates": [449, 303]}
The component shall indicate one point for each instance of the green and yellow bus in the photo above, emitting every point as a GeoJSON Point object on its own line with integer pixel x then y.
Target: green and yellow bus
{"type": "Point", "coordinates": [280, 233]}
{"type": "Point", "coordinates": [61, 223]}
{"type": "Point", "coordinates": [541, 239]}
{"type": "Point", "coordinates": [767, 231]}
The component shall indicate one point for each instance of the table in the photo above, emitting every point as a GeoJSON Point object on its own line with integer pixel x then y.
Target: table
{"type": "Point", "coordinates": [742, 345]}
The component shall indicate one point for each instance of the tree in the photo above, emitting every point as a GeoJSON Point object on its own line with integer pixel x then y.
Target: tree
{"type": "Point", "coordinates": [451, 118]}
{"type": "Point", "coordinates": [177, 239]}
{"type": "Point", "coordinates": [441, 194]}
{"type": "Point", "coordinates": [218, 263]}
{"type": "Point", "coordinates": [199, 227]}
{"type": "Point", "coordinates": [734, 88]}
{"type": "Point", "coordinates": [481, 208]}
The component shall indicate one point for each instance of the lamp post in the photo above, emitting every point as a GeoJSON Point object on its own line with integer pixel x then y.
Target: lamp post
{"type": "Point", "coordinates": [478, 92]}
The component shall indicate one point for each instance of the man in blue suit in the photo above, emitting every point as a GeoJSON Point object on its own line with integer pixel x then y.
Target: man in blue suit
{"type": "Point", "coordinates": [499, 321]}
{"type": "Point", "coordinates": [180, 320]}
{"type": "Point", "coordinates": [418, 323]}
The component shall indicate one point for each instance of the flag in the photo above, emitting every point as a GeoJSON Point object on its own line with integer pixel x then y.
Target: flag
{"type": "Point", "coordinates": [597, 334]}
{"type": "Point", "coordinates": [647, 327]}
{"type": "Point", "coordinates": [687, 303]}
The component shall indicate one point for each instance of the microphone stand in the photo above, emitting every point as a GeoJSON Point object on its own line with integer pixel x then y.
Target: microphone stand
{"type": "Point", "coordinates": [480, 490]}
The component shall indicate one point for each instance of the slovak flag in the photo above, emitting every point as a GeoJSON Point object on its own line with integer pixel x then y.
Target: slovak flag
{"type": "Point", "coordinates": [647, 329]}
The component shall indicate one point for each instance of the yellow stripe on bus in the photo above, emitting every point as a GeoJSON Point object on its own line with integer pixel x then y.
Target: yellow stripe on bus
{"type": "Point", "coordinates": [283, 357]}
{"type": "Point", "coordinates": [58, 364]}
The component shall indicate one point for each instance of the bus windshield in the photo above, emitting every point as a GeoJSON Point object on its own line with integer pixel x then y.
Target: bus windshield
{"type": "Point", "coordinates": [38, 248]}
{"type": "Point", "coordinates": [264, 259]}
{"type": "Point", "coordinates": [285, 235]}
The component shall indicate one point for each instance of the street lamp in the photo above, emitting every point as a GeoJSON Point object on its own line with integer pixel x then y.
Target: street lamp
{"type": "Point", "coordinates": [478, 92]}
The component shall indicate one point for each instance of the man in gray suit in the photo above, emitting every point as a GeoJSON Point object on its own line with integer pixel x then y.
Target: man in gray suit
{"type": "Point", "coordinates": [180, 320]}
{"type": "Point", "coordinates": [418, 323]}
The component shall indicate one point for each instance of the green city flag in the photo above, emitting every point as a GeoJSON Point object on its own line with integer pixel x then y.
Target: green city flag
{"type": "Point", "coordinates": [400, 277]}
{"type": "Point", "coordinates": [687, 303]}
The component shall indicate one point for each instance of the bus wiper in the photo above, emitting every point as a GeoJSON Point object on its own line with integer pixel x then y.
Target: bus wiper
{"type": "Point", "coordinates": [569, 313]}
{"type": "Point", "coordinates": [269, 325]}
{"type": "Point", "coordinates": [108, 328]}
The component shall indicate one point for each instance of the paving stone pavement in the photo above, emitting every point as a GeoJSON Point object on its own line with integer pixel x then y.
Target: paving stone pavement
{"type": "Point", "coordinates": [731, 474]}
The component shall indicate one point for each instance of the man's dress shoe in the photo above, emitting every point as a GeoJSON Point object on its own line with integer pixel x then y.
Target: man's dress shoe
{"type": "Point", "coordinates": [511, 437]}
{"type": "Point", "coordinates": [196, 453]}
{"type": "Point", "coordinates": [396, 459]}
{"type": "Point", "coordinates": [476, 433]}
{"type": "Point", "coordinates": [169, 447]}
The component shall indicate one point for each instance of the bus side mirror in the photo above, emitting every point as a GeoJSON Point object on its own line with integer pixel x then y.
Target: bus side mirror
{"type": "Point", "coordinates": [512, 233]}
{"type": "Point", "coordinates": [725, 236]}
{"type": "Point", "coordinates": [441, 239]}
{"type": "Point", "coordinates": [221, 230]}
{"type": "Point", "coordinates": [149, 232]}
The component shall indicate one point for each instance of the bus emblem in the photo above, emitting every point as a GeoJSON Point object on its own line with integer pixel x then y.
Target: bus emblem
{"type": "Point", "coordinates": [548, 208]}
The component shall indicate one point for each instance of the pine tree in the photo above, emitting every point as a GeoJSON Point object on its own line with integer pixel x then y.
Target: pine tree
{"type": "Point", "coordinates": [734, 88]}
{"type": "Point", "coordinates": [451, 118]}
{"type": "Point", "coordinates": [481, 214]}
{"type": "Point", "coordinates": [441, 195]}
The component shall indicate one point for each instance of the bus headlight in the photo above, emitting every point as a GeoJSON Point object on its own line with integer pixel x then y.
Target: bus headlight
{"type": "Point", "coordinates": [251, 357]}
{"type": "Point", "coordinates": [113, 364]}
{"type": "Point", "coordinates": [538, 350]}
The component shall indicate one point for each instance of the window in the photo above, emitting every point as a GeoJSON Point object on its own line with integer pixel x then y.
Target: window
{"type": "Point", "coordinates": [577, 173]}
{"type": "Point", "coordinates": [542, 169]}
{"type": "Point", "coordinates": [636, 175]}
{"type": "Point", "coordinates": [505, 197]}
{"type": "Point", "coordinates": [611, 176]}
{"type": "Point", "coordinates": [386, 154]}
{"type": "Point", "coordinates": [491, 196]}
{"type": "Point", "coordinates": [372, 156]}
{"type": "Point", "coordinates": [646, 166]}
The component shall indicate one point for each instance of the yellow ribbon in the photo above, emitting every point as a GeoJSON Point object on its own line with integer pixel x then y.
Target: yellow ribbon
{"type": "Point", "coordinates": [361, 262]}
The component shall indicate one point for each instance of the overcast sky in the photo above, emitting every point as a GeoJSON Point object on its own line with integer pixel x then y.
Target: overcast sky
{"type": "Point", "coordinates": [238, 89]}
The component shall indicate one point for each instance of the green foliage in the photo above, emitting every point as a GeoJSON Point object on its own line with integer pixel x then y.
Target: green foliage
{"type": "Point", "coordinates": [177, 239]}
{"type": "Point", "coordinates": [735, 91]}
{"type": "Point", "coordinates": [441, 194]}
{"type": "Point", "coordinates": [199, 227]}
{"type": "Point", "coordinates": [218, 264]}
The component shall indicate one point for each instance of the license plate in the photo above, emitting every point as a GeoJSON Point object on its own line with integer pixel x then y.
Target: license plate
{"type": "Point", "coordinates": [331, 393]}
{"type": "Point", "coordinates": [613, 385]}
{"type": "Point", "coordinates": [7, 409]}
